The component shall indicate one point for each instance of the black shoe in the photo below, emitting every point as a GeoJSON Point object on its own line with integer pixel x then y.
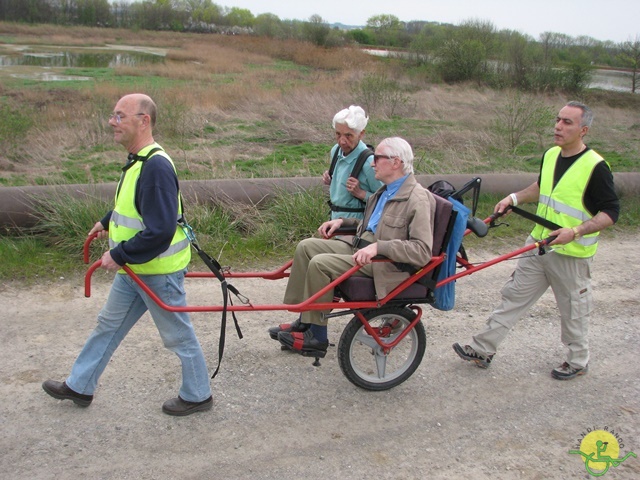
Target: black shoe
{"type": "Point", "coordinates": [304, 343]}
{"type": "Point", "coordinates": [60, 391]}
{"type": "Point", "coordinates": [470, 355]}
{"type": "Point", "coordinates": [180, 408]}
{"type": "Point", "coordinates": [567, 372]}
{"type": "Point", "coordinates": [296, 326]}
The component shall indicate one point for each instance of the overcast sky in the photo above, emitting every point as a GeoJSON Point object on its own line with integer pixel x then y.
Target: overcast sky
{"type": "Point", "coordinates": [616, 20]}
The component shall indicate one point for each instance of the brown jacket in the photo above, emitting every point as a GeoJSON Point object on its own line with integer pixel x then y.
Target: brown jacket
{"type": "Point", "coordinates": [404, 233]}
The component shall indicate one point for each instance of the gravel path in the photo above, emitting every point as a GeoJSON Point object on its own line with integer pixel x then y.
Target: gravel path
{"type": "Point", "coordinates": [276, 416]}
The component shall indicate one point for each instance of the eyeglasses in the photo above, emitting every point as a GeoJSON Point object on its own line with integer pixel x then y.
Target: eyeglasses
{"type": "Point", "coordinates": [377, 157]}
{"type": "Point", "coordinates": [119, 116]}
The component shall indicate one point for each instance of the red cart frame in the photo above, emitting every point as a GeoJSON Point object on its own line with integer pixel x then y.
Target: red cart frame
{"type": "Point", "coordinates": [384, 342]}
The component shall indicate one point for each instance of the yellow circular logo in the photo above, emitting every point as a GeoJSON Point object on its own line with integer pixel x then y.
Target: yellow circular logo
{"type": "Point", "coordinates": [600, 447]}
{"type": "Point", "coordinates": [600, 450]}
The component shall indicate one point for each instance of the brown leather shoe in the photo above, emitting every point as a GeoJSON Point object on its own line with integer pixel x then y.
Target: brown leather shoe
{"type": "Point", "coordinates": [180, 408]}
{"type": "Point", "coordinates": [60, 391]}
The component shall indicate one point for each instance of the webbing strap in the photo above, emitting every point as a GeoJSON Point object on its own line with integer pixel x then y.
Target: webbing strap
{"type": "Point", "coordinates": [355, 172]}
{"type": "Point", "coordinates": [540, 220]}
{"type": "Point", "coordinates": [338, 208]}
{"type": "Point", "coordinates": [216, 269]}
{"type": "Point", "coordinates": [536, 218]}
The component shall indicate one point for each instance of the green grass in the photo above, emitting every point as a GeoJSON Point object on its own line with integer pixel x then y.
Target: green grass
{"type": "Point", "coordinates": [29, 258]}
{"type": "Point", "coordinates": [14, 125]}
{"type": "Point", "coordinates": [238, 235]}
{"type": "Point", "coordinates": [382, 128]}
{"type": "Point", "coordinates": [259, 135]}
{"type": "Point", "coordinates": [618, 162]}
{"type": "Point", "coordinates": [16, 180]}
{"type": "Point", "coordinates": [305, 159]}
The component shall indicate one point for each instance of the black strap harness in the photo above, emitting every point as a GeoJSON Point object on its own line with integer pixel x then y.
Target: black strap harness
{"type": "Point", "coordinates": [536, 218]}
{"type": "Point", "coordinates": [132, 159]}
{"type": "Point", "coordinates": [355, 172]}
{"type": "Point", "coordinates": [227, 289]}
{"type": "Point", "coordinates": [210, 262]}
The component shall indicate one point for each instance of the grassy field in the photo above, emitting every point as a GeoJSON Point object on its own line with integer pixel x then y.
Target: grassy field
{"type": "Point", "coordinates": [243, 107]}
{"type": "Point", "coordinates": [236, 106]}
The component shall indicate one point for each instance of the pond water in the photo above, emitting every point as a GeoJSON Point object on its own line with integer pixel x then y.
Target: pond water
{"type": "Point", "coordinates": [79, 60]}
{"type": "Point", "coordinates": [40, 63]}
{"type": "Point", "coordinates": [614, 80]}
{"type": "Point", "coordinates": [44, 63]}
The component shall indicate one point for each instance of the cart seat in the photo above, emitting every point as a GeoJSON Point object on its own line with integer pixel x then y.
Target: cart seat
{"type": "Point", "coordinates": [358, 289]}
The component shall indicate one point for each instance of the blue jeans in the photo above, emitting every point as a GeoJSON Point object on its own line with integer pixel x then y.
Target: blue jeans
{"type": "Point", "coordinates": [127, 302]}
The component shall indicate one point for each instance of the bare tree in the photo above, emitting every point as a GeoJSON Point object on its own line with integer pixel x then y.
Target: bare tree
{"type": "Point", "coordinates": [630, 55]}
{"type": "Point", "coordinates": [546, 40]}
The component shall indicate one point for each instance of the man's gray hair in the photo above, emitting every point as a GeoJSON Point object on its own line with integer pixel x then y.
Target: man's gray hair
{"type": "Point", "coordinates": [353, 117]}
{"type": "Point", "coordinates": [587, 113]}
{"type": "Point", "coordinates": [399, 147]}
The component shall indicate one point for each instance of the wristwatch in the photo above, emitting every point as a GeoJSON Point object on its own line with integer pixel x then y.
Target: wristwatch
{"type": "Point", "coordinates": [576, 233]}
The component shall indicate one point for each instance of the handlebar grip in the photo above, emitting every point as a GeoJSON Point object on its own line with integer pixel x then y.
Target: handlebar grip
{"type": "Point", "coordinates": [85, 248]}
{"type": "Point", "coordinates": [477, 226]}
{"type": "Point", "coordinates": [496, 215]}
{"type": "Point", "coordinates": [87, 277]}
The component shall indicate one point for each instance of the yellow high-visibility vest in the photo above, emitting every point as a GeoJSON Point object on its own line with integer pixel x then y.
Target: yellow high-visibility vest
{"type": "Point", "coordinates": [564, 203]}
{"type": "Point", "coordinates": [126, 221]}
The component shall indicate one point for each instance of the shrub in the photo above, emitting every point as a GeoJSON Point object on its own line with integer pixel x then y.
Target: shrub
{"type": "Point", "coordinates": [379, 94]}
{"type": "Point", "coordinates": [461, 61]}
{"type": "Point", "coordinates": [577, 78]}
{"type": "Point", "coordinates": [520, 118]}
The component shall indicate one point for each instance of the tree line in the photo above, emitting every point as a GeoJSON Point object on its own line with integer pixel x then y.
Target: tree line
{"type": "Point", "coordinates": [472, 51]}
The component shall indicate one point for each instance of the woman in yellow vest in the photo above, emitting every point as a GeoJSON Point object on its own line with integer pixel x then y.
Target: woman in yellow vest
{"type": "Point", "coordinates": [143, 234]}
{"type": "Point", "coordinates": [574, 190]}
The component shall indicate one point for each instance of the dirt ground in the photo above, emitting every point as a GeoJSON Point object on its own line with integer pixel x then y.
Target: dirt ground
{"type": "Point", "coordinates": [276, 416]}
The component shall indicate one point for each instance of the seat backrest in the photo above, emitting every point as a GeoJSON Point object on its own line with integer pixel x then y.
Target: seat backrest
{"type": "Point", "coordinates": [358, 288]}
{"type": "Point", "coordinates": [444, 208]}
{"type": "Point", "coordinates": [443, 222]}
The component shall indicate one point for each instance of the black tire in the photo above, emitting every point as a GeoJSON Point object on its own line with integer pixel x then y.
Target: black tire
{"type": "Point", "coordinates": [361, 358]}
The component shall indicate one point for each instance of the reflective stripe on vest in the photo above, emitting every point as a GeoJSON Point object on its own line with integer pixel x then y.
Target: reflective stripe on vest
{"type": "Point", "coordinates": [126, 222]}
{"type": "Point", "coordinates": [582, 217]}
{"type": "Point", "coordinates": [570, 211]}
{"type": "Point", "coordinates": [120, 220]}
{"type": "Point", "coordinates": [173, 248]}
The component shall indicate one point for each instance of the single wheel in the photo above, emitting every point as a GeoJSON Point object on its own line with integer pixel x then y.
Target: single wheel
{"type": "Point", "coordinates": [363, 361]}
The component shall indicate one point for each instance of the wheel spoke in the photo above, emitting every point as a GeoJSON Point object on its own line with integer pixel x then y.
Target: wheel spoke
{"type": "Point", "coordinates": [381, 364]}
{"type": "Point", "coordinates": [363, 360]}
{"type": "Point", "coordinates": [366, 339]}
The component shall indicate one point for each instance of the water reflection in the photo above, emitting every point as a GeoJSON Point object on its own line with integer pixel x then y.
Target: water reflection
{"type": "Point", "coordinates": [614, 80]}
{"type": "Point", "coordinates": [47, 76]}
{"type": "Point", "coordinates": [606, 79]}
{"type": "Point", "coordinates": [79, 59]}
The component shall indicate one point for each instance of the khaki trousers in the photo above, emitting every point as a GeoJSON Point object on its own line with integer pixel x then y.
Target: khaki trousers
{"type": "Point", "coordinates": [570, 280]}
{"type": "Point", "coordinates": [316, 263]}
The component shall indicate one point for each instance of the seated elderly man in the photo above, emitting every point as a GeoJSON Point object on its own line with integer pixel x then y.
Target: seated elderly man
{"type": "Point", "coordinates": [398, 224]}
